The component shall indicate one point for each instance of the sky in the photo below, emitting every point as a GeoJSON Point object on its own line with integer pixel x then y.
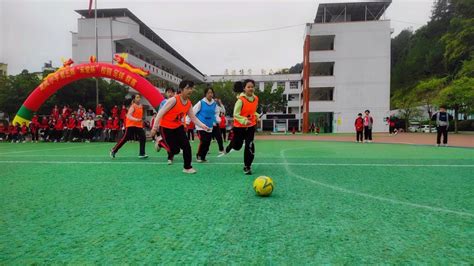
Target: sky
{"type": "Point", "coordinates": [35, 31]}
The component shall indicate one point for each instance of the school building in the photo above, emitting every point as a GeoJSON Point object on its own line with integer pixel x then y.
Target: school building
{"type": "Point", "coordinates": [346, 65]}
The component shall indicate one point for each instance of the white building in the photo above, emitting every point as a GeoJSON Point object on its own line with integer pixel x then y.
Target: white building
{"type": "Point", "coordinates": [291, 117]}
{"type": "Point", "coordinates": [347, 66]}
{"type": "Point", "coordinates": [120, 31]}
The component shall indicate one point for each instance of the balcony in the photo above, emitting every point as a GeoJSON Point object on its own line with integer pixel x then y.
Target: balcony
{"type": "Point", "coordinates": [155, 71]}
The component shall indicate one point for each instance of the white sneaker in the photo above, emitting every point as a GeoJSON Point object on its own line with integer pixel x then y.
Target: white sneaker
{"type": "Point", "coordinates": [437, 145]}
{"type": "Point", "coordinates": [224, 153]}
{"type": "Point", "coordinates": [445, 145]}
{"type": "Point", "coordinates": [189, 171]}
{"type": "Point", "coordinates": [157, 143]}
{"type": "Point", "coordinates": [170, 162]}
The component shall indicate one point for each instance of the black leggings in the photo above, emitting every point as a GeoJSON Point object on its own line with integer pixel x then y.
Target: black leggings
{"type": "Point", "coordinates": [359, 135]}
{"type": "Point", "coordinates": [368, 133]}
{"type": "Point", "coordinates": [442, 130]}
{"type": "Point", "coordinates": [216, 133]}
{"type": "Point", "coordinates": [204, 143]}
{"type": "Point", "coordinates": [130, 133]}
{"type": "Point", "coordinates": [223, 132]}
{"type": "Point", "coordinates": [242, 134]}
{"type": "Point", "coordinates": [190, 134]}
{"type": "Point", "coordinates": [175, 140]}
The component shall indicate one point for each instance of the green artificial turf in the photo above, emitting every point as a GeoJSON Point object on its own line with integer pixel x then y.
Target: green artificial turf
{"type": "Point", "coordinates": [333, 203]}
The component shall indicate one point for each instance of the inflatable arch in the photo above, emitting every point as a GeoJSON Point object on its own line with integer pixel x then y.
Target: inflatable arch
{"type": "Point", "coordinates": [122, 72]}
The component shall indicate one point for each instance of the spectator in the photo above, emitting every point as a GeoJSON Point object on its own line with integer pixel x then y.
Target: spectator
{"type": "Point", "coordinates": [222, 126]}
{"type": "Point", "coordinates": [70, 126]}
{"type": "Point", "coordinates": [58, 130]}
{"type": "Point", "coordinates": [55, 112]}
{"type": "Point", "coordinates": [79, 130]}
{"type": "Point", "coordinates": [359, 127]}
{"type": "Point", "coordinates": [442, 119]}
{"type": "Point", "coordinates": [88, 129]}
{"type": "Point", "coordinates": [81, 112]}
{"type": "Point", "coordinates": [99, 109]}
{"type": "Point", "coordinates": [90, 113]}
{"type": "Point", "coordinates": [368, 122]}
{"type": "Point", "coordinates": [34, 128]}
{"type": "Point", "coordinates": [115, 129]}
{"type": "Point", "coordinates": [23, 132]}
{"type": "Point", "coordinates": [44, 128]}
{"type": "Point", "coordinates": [13, 133]}
{"type": "Point", "coordinates": [108, 129]}
{"type": "Point", "coordinates": [114, 111]}
{"type": "Point", "coordinates": [99, 127]}
{"type": "Point", "coordinates": [3, 132]}
{"type": "Point", "coordinates": [123, 113]}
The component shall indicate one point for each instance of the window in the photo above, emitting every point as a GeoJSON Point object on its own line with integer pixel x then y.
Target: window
{"type": "Point", "coordinates": [322, 69]}
{"type": "Point", "coordinates": [322, 43]}
{"type": "Point", "coordinates": [293, 85]}
{"type": "Point", "coordinates": [292, 97]}
{"type": "Point", "coordinates": [321, 94]}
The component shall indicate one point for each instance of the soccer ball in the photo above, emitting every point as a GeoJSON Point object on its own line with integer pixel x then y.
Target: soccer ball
{"type": "Point", "coordinates": [263, 186]}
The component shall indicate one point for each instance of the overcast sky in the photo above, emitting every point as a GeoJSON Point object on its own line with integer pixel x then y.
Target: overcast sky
{"type": "Point", "coordinates": [35, 31]}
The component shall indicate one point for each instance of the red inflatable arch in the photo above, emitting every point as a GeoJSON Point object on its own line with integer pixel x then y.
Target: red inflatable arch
{"type": "Point", "coordinates": [67, 74]}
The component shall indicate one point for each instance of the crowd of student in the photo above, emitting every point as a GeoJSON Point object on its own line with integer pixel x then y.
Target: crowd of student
{"type": "Point", "coordinates": [69, 125]}
{"type": "Point", "coordinates": [81, 125]}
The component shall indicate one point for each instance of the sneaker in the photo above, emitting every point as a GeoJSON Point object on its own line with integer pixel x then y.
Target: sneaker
{"type": "Point", "coordinates": [157, 144]}
{"type": "Point", "coordinates": [170, 162]}
{"type": "Point", "coordinates": [189, 171]}
{"type": "Point", "coordinates": [112, 154]}
{"type": "Point", "coordinates": [199, 160]}
{"type": "Point", "coordinates": [143, 156]}
{"type": "Point", "coordinates": [247, 170]}
{"type": "Point", "coordinates": [445, 145]}
{"type": "Point", "coordinates": [224, 153]}
{"type": "Point", "coordinates": [437, 145]}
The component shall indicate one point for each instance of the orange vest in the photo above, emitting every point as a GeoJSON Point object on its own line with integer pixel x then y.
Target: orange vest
{"type": "Point", "coordinates": [175, 116]}
{"type": "Point", "coordinates": [138, 114]}
{"type": "Point", "coordinates": [248, 110]}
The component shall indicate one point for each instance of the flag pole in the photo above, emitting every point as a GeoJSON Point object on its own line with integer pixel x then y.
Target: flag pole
{"type": "Point", "coordinates": [96, 54]}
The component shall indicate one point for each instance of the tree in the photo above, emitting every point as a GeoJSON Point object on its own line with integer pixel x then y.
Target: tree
{"type": "Point", "coordinates": [15, 89]}
{"type": "Point", "coordinates": [458, 42]}
{"type": "Point", "coordinates": [271, 100]}
{"type": "Point", "coordinates": [222, 90]}
{"type": "Point", "coordinates": [459, 96]}
{"type": "Point", "coordinates": [407, 104]}
{"type": "Point", "coordinates": [426, 92]}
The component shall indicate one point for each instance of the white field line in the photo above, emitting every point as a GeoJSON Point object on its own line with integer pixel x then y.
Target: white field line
{"type": "Point", "coordinates": [369, 196]}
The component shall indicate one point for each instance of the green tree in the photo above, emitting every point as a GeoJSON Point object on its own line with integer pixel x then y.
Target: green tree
{"type": "Point", "coordinates": [459, 96]}
{"type": "Point", "coordinates": [15, 89]}
{"type": "Point", "coordinates": [406, 102]}
{"type": "Point", "coordinates": [271, 100]}
{"type": "Point", "coordinates": [426, 92]}
{"type": "Point", "coordinates": [459, 43]}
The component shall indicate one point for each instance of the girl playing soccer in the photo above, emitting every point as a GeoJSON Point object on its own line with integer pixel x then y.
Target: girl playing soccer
{"type": "Point", "coordinates": [245, 121]}
{"type": "Point", "coordinates": [169, 120]}
{"type": "Point", "coordinates": [207, 112]}
{"type": "Point", "coordinates": [134, 127]}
